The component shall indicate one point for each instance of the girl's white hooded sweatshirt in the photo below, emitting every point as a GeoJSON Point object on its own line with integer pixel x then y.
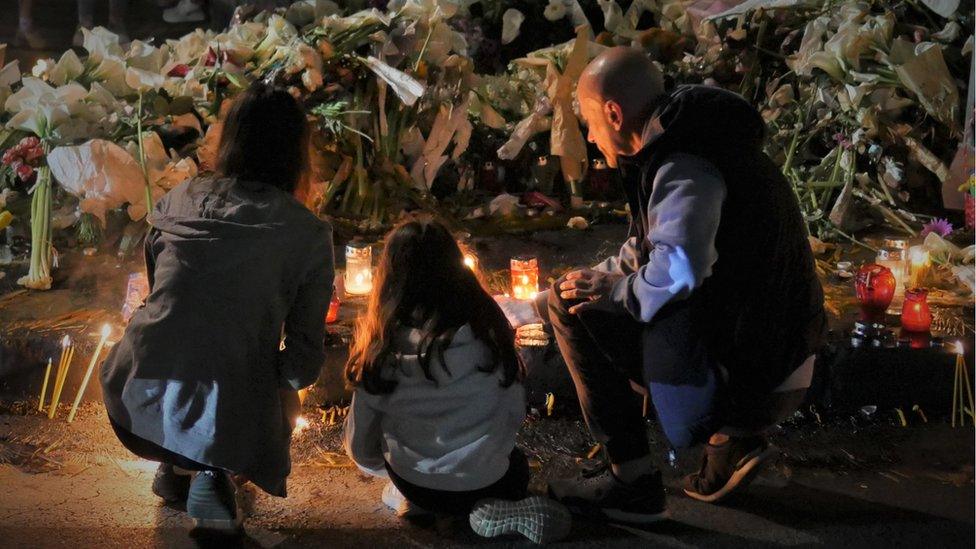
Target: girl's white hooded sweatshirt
{"type": "Point", "coordinates": [454, 433]}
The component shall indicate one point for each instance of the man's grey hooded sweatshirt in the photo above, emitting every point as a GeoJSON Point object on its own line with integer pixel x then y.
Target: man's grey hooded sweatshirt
{"type": "Point", "coordinates": [231, 264]}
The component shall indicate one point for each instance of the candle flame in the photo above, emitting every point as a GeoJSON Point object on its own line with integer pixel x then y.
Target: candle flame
{"type": "Point", "coordinates": [106, 330]}
{"type": "Point", "coordinates": [469, 262]}
{"type": "Point", "coordinates": [65, 342]}
{"type": "Point", "coordinates": [958, 348]}
{"type": "Point", "coordinates": [300, 424]}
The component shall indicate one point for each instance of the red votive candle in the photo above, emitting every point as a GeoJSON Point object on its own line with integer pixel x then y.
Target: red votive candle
{"type": "Point", "coordinates": [916, 315]}
{"type": "Point", "coordinates": [875, 287]}
{"type": "Point", "coordinates": [333, 313]}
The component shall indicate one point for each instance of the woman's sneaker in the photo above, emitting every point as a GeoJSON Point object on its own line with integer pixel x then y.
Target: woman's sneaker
{"type": "Point", "coordinates": [187, 11]}
{"type": "Point", "coordinates": [600, 494]}
{"type": "Point", "coordinates": [171, 484]}
{"type": "Point", "coordinates": [728, 467]}
{"type": "Point", "coordinates": [538, 518]}
{"type": "Point", "coordinates": [212, 502]}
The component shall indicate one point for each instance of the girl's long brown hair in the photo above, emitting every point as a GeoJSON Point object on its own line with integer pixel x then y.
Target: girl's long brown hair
{"type": "Point", "coordinates": [421, 282]}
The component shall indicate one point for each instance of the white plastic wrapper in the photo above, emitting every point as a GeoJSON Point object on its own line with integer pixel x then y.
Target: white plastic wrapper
{"type": "Point", "coordinates": [405, 86]}
{"type": "Point", "coordinates": [102, 175]}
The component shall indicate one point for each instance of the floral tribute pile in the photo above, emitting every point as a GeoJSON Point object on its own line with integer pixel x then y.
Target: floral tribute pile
{"type": "Point", "coordinates": [865, 102]}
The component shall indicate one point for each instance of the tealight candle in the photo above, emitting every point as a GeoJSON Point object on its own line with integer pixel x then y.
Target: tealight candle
{"type": "Point", "coordinates": [525, 277]}
{"type": "Point", "coordinates": [359, 269]}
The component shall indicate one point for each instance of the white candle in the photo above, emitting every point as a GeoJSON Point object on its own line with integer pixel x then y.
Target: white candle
{"type": "Point", "coordinates": [359, 273]}
{"type": "Point", "coordinates": [106, 330]}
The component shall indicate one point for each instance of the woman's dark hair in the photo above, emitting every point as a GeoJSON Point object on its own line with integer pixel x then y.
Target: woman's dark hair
{"type": "Point", "coordinates": [265, 138]}
{"type": "Point", "coordinates": [422, 282]}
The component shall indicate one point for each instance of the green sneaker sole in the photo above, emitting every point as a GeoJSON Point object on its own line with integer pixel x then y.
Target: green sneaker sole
{"type": "Point", "coordinates": [538, 518]}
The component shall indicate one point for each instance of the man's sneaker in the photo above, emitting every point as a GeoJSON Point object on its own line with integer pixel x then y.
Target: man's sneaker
{"type": "Point", "coordinates": [599, 493]}
{"type": "Point", "coordinates": [186, 11]}
{"type": "Point", "coordinates": [400, 505]}
{"type": "Point", "coordinates": [538, 518]}
{"type": "Point", "coordinates": [212, 502]}
{"type": "Point", "coordinates": [170, 484]}
{"type": "Point", "coordinates": [728, 467]}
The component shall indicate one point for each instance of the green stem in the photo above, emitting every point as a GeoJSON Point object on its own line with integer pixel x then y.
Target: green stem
{"type": "Point", "coordinates": [142, 160]}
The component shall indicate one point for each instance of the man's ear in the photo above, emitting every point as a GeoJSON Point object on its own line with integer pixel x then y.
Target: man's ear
{"type": "Point", "coordinates": [614, 114]}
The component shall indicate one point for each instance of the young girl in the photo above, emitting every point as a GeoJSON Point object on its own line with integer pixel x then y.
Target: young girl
{"type": "Point", "coordinates": [438, 395]}
{"type": "Point", "coordinates": [199, 381]}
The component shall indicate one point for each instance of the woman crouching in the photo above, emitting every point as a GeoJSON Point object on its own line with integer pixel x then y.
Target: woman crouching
{"type": "Point", "coordinates": [200, 381]}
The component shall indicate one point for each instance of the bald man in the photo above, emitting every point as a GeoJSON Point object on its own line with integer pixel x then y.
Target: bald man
{"type": "Point", "coordinates": [712, 303]}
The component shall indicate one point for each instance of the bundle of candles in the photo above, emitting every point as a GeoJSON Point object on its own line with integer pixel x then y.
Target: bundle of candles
{"type": "Point", "coordinates": [959, 408]}
{"type": "Point", "coordinates": [64, 365]}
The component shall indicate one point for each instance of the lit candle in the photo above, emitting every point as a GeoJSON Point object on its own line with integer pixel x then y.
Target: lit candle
{"type": "Point", "coordinates": [333, 313]}
{"type": "Point", "coordinates": [67, 355]}
{"type": "Point", "coordinates": [525, 277]}
{"type": "Point", "coordinates": [918, 267]}
{"type": "Point", "coordinates": [893, 256]}
{"type": "Point", "coordinates": [106, 330]}
{"type": "Point", "coordinates": [471, 262]}
{"type": "Point", "coordinates": [961, 379]}
{"type": "Point", "coordinates": [915, 313]}
{"type": "Point", "coordinates": [359, 269]}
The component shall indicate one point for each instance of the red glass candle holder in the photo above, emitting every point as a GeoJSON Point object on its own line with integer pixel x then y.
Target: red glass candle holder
{"type": "Point", "coordinates": [916, 315]}
{"type": "Point", "coordinates": [333, 313]}
{"type": "Point", "coordinates": [875, 287]}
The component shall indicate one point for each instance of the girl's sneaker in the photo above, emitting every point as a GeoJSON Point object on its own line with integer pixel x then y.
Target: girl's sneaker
{"type": "Point", "coordinates": [212, 502]}
{"type": "Point", "coordinates": [171, 484]}
{"type": "Point", "coordinates": [187, 11]}
{"type": "Point", "coordinates": [400, 505]}
{"type": "Point", "coordinates": [538, 518]}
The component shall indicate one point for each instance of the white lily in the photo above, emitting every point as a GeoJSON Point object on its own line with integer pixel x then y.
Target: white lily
{"type": "Point", "coordinates": [101, 43]}
{"type": "Point", "coordinates": [146, 56]}
{"type": "Point", "coordinates": [40, 108]}
{"type": "Point", "coordinates": [143, 81]}
{"type": "Point", "coordinates": [279, 33]}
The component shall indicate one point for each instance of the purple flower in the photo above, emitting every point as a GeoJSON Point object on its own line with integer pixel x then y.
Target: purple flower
{"type": "Point", "coordinates": [941, 227]}
{"type": "Point", "coordinates": [843, 141]}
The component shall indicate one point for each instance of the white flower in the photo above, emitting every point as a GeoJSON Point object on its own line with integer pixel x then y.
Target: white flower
{"type": "Point", "coordinates": [146, 57]}
{"type": "Point", "coordinates": [555, 11]}
{"type": "Point", "coordinates": [143, 81]}
{"type": "Point", "coordinates": [101, 43]}
{"type": "Point", "coordinates": [40, 108]}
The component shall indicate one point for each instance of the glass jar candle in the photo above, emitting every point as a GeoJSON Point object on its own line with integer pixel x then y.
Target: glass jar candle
{"type": "Point", "coordinates": [333, 314]}
{"type": "Point", "coordinates": [893, 256]}
{"type": "Point", "coordinates": [915, 314]}
{"type": "Point", "coordinates": [525, 277]}
{"type": "Point", "coordinates": [919, 264]}
{"type": "Point", "coordinates": [543, 173]}
{"type": "Point", "coordinates": [875, 288]}
{"type": "Point", "coordinates": [359, 269]}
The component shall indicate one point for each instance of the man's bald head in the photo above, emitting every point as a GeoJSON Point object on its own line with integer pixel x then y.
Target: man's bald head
{"type": "Point", "coordinates": [616, 93]}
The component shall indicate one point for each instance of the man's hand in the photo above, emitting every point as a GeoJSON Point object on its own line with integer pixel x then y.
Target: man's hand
{"type": "Point", "coordinates": [588, 285]}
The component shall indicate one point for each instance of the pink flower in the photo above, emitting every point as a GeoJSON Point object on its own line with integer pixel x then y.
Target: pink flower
{"type": "Point", "coordinates": [24, 172]}
{"type": "Point", "coordinates": [941, 227]}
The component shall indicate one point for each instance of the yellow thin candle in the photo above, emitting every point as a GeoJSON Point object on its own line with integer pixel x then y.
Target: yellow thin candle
{"type": "Point", "coordinates": [106, 330]}
{"type": "Point", "coordinates": [47, 375]}
{"type": "Point", "coordinates": [67, 354]}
